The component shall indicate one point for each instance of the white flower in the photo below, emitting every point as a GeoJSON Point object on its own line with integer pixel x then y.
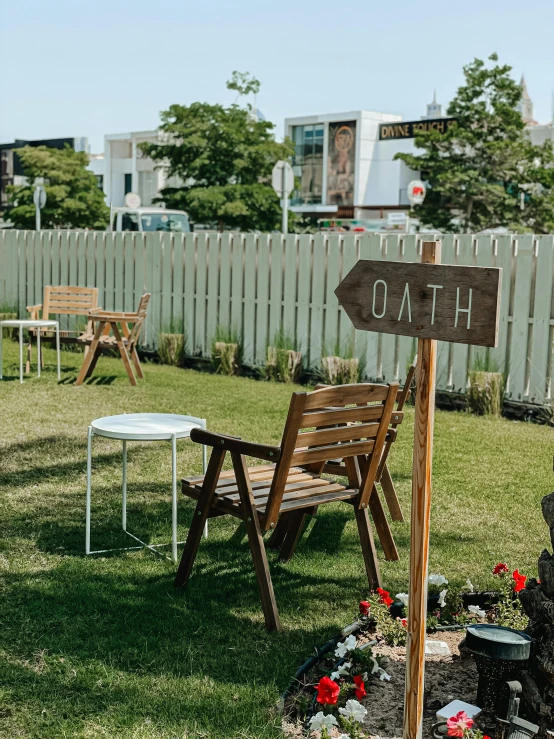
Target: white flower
{"type": "Point", "coordinates": [345, 646]}
{"type": "Point", "coordinates": [437, 580]}
{"type": "Point", "coordinates": [404, 597]}
{"type": "Point", "coordinates": [321, 721]}
{"type": "Point", "coordinates": [344, 736]}
{"type": "Point", "coordinates": [477, 611]}
{"type": "Point", "coordinates": [442, 597]}
{"type": "Point", "coordinates": [470, 585]}
{"type": "Point", "coordinates": [383, 675]}
{"type": "Point", "coordinates": [353, 710]}
{"type": "Point", "coordinates": [341, 670]}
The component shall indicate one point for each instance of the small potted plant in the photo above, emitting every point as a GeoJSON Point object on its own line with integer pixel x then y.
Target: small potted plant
{"type": "Point", "coordinates": [284, 361]}
{"type": "Point", "coordinates": [171, 343]}
{"type": "Point", "coordinates": [226, 350]}
{"type": "Point", "coordinates": [340, 367]}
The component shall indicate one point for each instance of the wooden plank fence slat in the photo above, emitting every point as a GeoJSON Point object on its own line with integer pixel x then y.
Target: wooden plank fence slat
{"type": "Point", "coordinates": [290, 285]}
{"type": "Point", "coordinates": [262, 297]}
{"type": "Point", "coordinates": [517, 371]}
{"type": "Point", "coordinates": [304, 294]}
{"type": "Point", "coordinates": [237, 275]}
{"type": "Point", "coordinates": [213, 283]}
{"type": "Point", "coordinates": [190, 278]}
{"type": "Point", "coordinates": [276, 286]}
{"type": "Point", "coordinates": [541, 346]}
{"type": "Point", "coordinates": [200, 293]}
{"type": "Point", "coordinates": [389, 342]}
{"type": "Point", "coordinates": [249, 305]}
{"type": "Point", "coordinates": [317, 301]}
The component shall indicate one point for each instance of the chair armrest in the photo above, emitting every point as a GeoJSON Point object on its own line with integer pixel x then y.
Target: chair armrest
{"type": "Point", "coordinates": [106, 315]}
{"type": "Point", "coordinates": [236, 445]}
{"type": "Point", "coordinates": [34, 310]}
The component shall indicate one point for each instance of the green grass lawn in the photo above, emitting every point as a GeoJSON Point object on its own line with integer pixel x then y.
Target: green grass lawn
{"type": "Point", "coordinates": [103, 646]}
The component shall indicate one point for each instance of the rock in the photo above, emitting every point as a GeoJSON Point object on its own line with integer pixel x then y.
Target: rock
{"type": "Point", "coordinates": [546, 573]}
{"type": "Point", "coordinates": [536, 605]}
{"type": "Point", "coordinates": [436, 648]}
{"type": "Point", "coordinates": [547, 505]}
{"type": "Point", "coordinates": [455, 707]}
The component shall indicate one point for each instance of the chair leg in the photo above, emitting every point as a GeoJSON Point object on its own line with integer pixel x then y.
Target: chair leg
{"type": "Point", "coordinates": [390, 494]}
{"type": "Point", "coordinates": [256, 542]}
{"type": "Point", "coordinates": [136, 362]}
{"type": "Point", "coordinates": [279, 532]}
{"type": "Point", "coordinates": [90, 355]}
{"type": "Point", "coordinates": [382, 527]}
{"type": "Point", "coordinates": [93, 362]}
{"type": "Point", "coordinates": [294, 533]}
{"type": "Point", "coordinates": [28, 362]}
{"type": "Point", "coordinates": [368, 548]}
{"type": "Point", "coordinates": [201, 515]}
{"type": "Point", "coordinates": [124, 355]}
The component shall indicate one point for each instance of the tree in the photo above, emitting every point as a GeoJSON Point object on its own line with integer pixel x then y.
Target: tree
{"type": "Point", "coordinates": [484, 168]}
{"type": "Point", "coordinates": [223, 158]}
{"type": "Point", "coordinates": [73, 198]}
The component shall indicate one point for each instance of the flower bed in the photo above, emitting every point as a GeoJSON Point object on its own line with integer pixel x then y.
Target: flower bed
{"type": "Point", "coordinates": [331, 694]}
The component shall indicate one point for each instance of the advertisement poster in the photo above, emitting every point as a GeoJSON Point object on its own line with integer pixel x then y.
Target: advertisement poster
{"type": "Point", "coordinates": [341, 163]}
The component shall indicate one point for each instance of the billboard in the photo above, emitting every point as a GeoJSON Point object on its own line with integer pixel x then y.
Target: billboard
{"type": "Point", "coordinates": [341, 163]}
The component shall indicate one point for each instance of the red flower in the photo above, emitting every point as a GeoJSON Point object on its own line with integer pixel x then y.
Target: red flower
{"type": "Point", "coordinates": [458, 724]}
{"type": "Point", "coordinates": [500, 569]}
{"type": "Point", "coordinates": [359, 692]}
{"type": "Point", "coordinates": [519, 581]}
{"type": "Point", "coordinates": [365, 605]}
{"type": "Point", "coordinates": [384, 597]}
{"type": "Point", "coordinates": [327, 691]}
{"type": "Point", "coordinates": [404, 622]}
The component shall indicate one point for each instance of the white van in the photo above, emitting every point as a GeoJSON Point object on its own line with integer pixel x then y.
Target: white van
{"type": "Point", "coordinates": [149, 219]}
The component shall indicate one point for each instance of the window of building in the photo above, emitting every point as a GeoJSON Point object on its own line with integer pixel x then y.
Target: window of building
{"type": "Point", "coordinates": [100, 180]}
{"type": "Point", "coordinates": [128, 183]}
{"type": "Point", "coordinates": [307, 163]}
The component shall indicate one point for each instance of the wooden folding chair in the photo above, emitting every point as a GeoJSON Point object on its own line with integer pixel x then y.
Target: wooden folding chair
{"type": "Point", "coordinates": [358, 419]}
{"type": "Point", "coordinates": [62, 301]}
{"type": "Point", "coordinates": [107, 334]}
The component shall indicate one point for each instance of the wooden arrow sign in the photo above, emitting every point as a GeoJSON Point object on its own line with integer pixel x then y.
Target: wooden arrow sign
{"type": "Point", "coordinates": [429, 301]}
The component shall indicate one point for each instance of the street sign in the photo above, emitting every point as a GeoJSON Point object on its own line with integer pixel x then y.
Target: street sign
{"type": "Point", "coordinates": [429, 301]}
{"type": "Point", "coordinates": [416, 192]}
{"type": "Point", "coordinates": [282, 179]}
{"type": "Point", "coordinates": [132, 200]}
{"type": "Point", "coordinates": [39, 197]}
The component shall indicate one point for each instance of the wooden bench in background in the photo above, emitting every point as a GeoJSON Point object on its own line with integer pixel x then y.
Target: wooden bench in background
{"type": "Point", "coordinates": [62, 301]}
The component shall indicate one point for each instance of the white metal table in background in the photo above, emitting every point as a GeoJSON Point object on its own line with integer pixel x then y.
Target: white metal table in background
{"type": "Point", "coordinates": [29, 323]}
{"type": "Point", "coordinates": [142, 427]}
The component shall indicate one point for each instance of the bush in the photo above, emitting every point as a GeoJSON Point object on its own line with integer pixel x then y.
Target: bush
{"type": "Point", "coordinates": [226, 351]}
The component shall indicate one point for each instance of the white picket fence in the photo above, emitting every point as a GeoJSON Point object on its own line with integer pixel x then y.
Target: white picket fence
{"type": "Point", "coordinates": [259, 283]}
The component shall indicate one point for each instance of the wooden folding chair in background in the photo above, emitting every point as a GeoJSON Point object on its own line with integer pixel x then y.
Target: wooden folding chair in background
{"type": "Point", "coordinates": [111, 330]}
{"type": "Point", "coordinates": [357, 419]}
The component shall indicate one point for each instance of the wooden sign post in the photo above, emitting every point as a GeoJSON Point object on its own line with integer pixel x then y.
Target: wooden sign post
{"type": "Point", "coordinates": [430, 301]}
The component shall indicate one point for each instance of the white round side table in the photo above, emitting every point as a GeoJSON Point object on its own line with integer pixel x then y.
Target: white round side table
{"type": "Point", "coordinates": [142, 427]}
{"type": "Point", "coordinates": [38, 324]}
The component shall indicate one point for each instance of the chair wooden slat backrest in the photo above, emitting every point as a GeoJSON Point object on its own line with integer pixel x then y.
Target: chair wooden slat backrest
{"type": "Point", "coordinates": [316, 431]}
{"type": "Point", "coordinates": [74, 301]}
{"type": "Point", "coordinates": [141, 315]}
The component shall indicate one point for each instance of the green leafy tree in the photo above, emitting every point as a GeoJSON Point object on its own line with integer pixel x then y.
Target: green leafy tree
{"type": "Point", "coordinates": [484, 172]}
{"type": "Point", "coordinates": [223, 157]}
{"type": "Point", "coordinates": [73, 198]}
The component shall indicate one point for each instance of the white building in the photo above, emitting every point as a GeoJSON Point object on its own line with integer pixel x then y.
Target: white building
{"type": "Point", "coordinates": [345, 161]}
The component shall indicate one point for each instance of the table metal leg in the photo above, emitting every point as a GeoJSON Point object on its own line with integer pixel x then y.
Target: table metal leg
{"type": "Point", "coordinates": [174, 498]}
{"type": "Point", "coordinates": [89, 466]}
{"type": "Point", "coordinates": [58, 348]}
{"type": "Point", "coordinates": [124, 489]}
{"type": "Point", "coordinates": [21, 354]}
{"type": "Point", "coordinates": [38, 351]}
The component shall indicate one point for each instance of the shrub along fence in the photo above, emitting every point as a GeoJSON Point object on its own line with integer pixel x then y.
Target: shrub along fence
{"type": "Point", "coordinates": [263, 283]}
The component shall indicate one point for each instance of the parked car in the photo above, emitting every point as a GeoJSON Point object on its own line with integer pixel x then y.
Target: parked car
{"type": "Point", "coordinates": [149, 219]}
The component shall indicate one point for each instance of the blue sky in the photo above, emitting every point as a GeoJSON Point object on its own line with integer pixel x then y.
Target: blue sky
{"type": "Point", "coordinates": [85, 69]}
